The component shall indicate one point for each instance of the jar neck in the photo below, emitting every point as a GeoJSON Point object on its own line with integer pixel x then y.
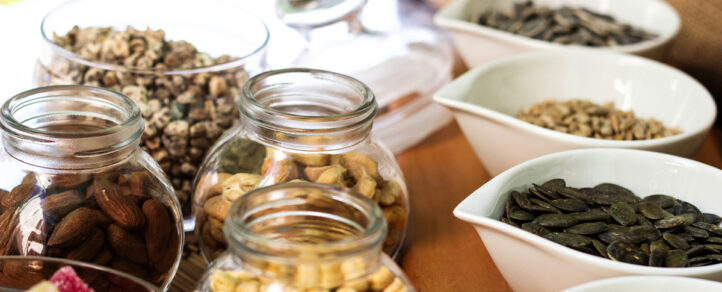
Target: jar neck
{"type": "Point", "coordinates": [70, 127]}
{"type": "Point", "coordinates": [288, 230]}
{"type": "Point", "coordinates": [307, 110]}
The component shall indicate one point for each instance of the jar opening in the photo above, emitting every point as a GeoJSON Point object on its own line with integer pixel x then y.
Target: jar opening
{"type": "Point", "coordinates": [64, 111]}
{"type": "Point", "coordinates": [297, 222]}
{"type": "Point", "coordinates": [251, 40]}
{"type": "Point", "coordinates": [307, 109]}
{"type": "Point", "coordinates": [70, 126]}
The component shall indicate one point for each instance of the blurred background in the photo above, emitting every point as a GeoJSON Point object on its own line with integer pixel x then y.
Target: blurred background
{"type": "Point", "coordinates": [697, 49]}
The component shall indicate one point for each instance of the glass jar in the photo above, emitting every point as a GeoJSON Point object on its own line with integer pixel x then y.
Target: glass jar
{"type": "Point", "coordinates": [184, 72]}
{"type": "Point", "coordinates": [396, 51]}
{"type": "Point", "coordinates": [76, 185]}
{"type": "Point", "coordinates": [299, 125]}
{"type": "Point", "coordinates": [304, 237]}
{"type": "Point", "coordinates": [20, 273]}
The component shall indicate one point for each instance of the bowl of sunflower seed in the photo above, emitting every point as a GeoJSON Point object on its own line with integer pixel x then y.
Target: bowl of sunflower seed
{"type": "Point", "coordinates": [532, 104]}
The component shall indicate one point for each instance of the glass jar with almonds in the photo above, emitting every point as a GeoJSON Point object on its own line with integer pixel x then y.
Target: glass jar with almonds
{"type": "Point", "coordinates": [76, 185]}
{"type": "Point", "coordinates": [299, 125]}
{"type": "Point", "coordinates": [302, 236]}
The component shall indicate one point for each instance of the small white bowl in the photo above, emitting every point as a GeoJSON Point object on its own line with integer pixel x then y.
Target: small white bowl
{"type": "Point", "coordinates": [648, 283]}
{"type": "Point", "coordinates": [531, 263]}
{"type": "Point", "coordinates": [486, 99]}
{"type": "Point", "coordinates": [479, 44]}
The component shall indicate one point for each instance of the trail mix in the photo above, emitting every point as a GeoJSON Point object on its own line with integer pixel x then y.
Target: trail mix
{"type": "Point", "coordinates": [216, 191]}
{"type": "Point", "coordinates": [113, 219]}
{"type": "Point", "coordinates": [184, 113]}
{"type": "Point", "coordinates": [380, 280]}
{"type": "Point", "coordinates": [588, 119]}
{"type": "Point", "coordinates": [612, 222]}
{"type": "Point", "coordinates": [566, 25]}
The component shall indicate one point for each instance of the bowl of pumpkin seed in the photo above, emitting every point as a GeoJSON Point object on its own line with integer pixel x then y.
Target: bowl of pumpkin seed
{"type": "Point", "coordinates": [487, 30]}
{"type": "Point", "coordinates": [576, 216]}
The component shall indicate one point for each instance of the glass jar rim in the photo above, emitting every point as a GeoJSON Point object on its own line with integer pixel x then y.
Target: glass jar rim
{"type": "Point", "coordinates": [115, 67]}
{"type": "Point", "coordinates": [368, 103]}
{"type": "Point", "coordinates": [68, 262]}
{"type": "Point", "coordinates": [373, 234]}
{"type": "Point", "coordinates": [8, 117]}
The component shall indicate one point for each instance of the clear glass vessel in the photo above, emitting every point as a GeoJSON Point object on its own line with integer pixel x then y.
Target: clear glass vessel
{"type": "Point", "coordinates": [184, 72]}
{"type": "Point", "coordinates": [22, 272]}
{"type": "Point", "coordinates": [299, 125]}
{"type": "Point", "coordinates": [304, 237]}
{"type": "Point", "coordinates": [391, 46]}
{"type": "Point", "coordinates": [75, 184]}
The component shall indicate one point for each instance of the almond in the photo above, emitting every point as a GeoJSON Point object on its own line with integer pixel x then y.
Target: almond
{"type": "Point", "coordinates": [66, 181]}
{"type": "Point", "coordinates": [101, 219]}
{"type": "Point", "coordinates": [18, 195]}
{"type": "Point", "coordinates": [129, 267]}
{"type": "Point", "coordinates": [73, 228]}
{"type": "Point", "coordinates": [58, 205]}
{"type": "Point", "coordinates": [89, 248]}
{"type": "Point", "coordinates": [157, 229]}
{"type": "Point", "coordinates": [29, 179]}
{"type": "Point", "coordinates": [121, 209]}
{"type": "Point", "coordinates": [20, 274]}
{"type": "Point", "coordinates": [7, 220]}
{"type": "Point", "coordinates": [3, 193]}
{"type": "Point", "coordinates": [103, 257]}
{"type": "Point", "coordinates": [170, 254]}
{"type": "Point", "coordinates": [138, 181]}
{"type": "Point", "coordinates": [126, 244]}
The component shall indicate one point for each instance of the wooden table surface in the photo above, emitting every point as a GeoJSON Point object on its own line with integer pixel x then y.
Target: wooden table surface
{"type": "Point", "coordinates": [442, 253]}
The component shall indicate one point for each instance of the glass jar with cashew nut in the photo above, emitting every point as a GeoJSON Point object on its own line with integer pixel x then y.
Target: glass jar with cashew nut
{"type": "Point", "coordinates": [299, 125]}
{"type": "Point", "coordinates": [300, 237]}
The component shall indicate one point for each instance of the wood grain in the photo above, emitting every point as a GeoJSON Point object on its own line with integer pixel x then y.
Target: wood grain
{"type": "Point", "coordinates": [442, 253]}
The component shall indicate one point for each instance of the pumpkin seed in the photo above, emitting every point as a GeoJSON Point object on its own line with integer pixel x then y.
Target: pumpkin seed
{"type": "Point", "coordinates": [663, 201]}
{"type": "Point", "coordinates": [595, 214]}
{"type": "Point", "coordinates": [657, 253]}
{"type": "Point", "coordinates": [535, 228]}
{"type": "Point", "coordinates": [570, 204]}
{"type": "Point", "coordinates": [556, 220]}
{"type": "Point", "coordinates": [587, 228]}
{"type": "Point", "coordinates": [670, 222]}
{"type": "Point", "coordinates": [675, 241]}
{"type": "Point", "coordinates": [651, 210]}
{"type": "Point", "coordinates": [626, 252]}
{"type": "Point", "coordinates": [675, 258]}
{"type": "Point", "coordinates": [609, 221]}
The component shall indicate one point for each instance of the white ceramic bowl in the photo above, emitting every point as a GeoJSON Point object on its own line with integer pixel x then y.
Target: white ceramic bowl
{"type": "Point", "coordinates": [531, 263]}
{"type": "Point", "coordinates": [480, 44]}
{"type": "Point", "coordinates": [485, 101]}
{"type": "Point", "coordinates": [648, 283]}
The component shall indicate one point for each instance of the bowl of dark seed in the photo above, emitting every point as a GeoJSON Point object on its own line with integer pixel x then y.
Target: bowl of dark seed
{"type": "Point", "coordinates": [183, 63]}
{"type": "Point", "coordinates": [648, 283]}
{"type": "Point", "coordinates": [577, 216]}
{"type": "Point", "coordinates": [486, 30]}
{"type": "Point", "coordinates": [537, 103]}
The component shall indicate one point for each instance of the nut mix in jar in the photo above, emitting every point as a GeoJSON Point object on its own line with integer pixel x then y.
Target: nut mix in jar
{"type": "Point", "coordinates": [187, 94]}
{"type": "Point", "coordinates": [304, 237]}
{"type": "Point", "coordinates": [76, 185]}
{"type": "Point", "coordinates": [299, 125]}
